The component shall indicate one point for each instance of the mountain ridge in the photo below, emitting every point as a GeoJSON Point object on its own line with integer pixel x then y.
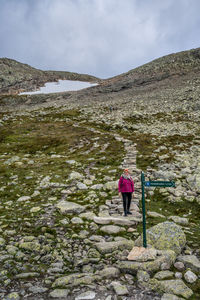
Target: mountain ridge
{"type": "Point", "coordinates": [17, 77]}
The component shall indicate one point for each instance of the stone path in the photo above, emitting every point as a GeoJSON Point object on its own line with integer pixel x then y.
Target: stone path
{"type": "Point", "coordinates": [130, 163]}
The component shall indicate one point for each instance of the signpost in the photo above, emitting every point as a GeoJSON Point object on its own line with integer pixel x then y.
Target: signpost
{"type": "Point", "coordinates": [150, 184]}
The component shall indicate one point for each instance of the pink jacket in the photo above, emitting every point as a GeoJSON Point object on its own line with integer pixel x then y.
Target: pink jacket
{"type": "Point", "coordinates": [126, 185]}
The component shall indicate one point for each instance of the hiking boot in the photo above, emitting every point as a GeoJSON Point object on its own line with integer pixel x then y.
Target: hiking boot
{"type": "Point", "coordinates": [129, 213]}
{"type": "Point", "coordinates": [125, 214]}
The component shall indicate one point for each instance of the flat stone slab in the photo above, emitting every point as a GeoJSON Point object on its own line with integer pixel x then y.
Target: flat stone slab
{"type": "Point", "coordinates": [127, 221]}
{"type": "Point", "coordinates": [67, 207]}
{"type": "Point", "coordinates": [179, 220]}
{"type": "Point", "coordinates": [89, 295]}
{"type": "Point", "coordinates": [112, 229]}
{"type": "Point", "coordinates": [108, 247]}
{"type": "Point", "coordinates": [142, 254]}
{"type": "Point", "coordinates": [73, 280]}
{"type": "Point", "coordinates": [154, 214]}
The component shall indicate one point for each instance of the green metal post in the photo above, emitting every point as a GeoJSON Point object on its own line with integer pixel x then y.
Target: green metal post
{"type": "Point", "coordinates": [143, 211]}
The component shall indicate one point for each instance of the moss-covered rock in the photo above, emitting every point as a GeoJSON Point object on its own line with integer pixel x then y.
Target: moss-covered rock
{"type": "Point", "coordinates": [166, 235]}
{"type": "Point", "coordinates": [108, 247]}
{"type": "Point", "coordinates": [74, 280]}
{"type": "Point", "coordinates": [176, 287]}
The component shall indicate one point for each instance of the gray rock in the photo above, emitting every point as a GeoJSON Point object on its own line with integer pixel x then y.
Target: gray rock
{"type": "Point", "coordinates": [190, 277]}
{"type": "Point", "coordinates": [89, 295]}
{"type": "Point", "coordinates": [154, 214]}
{"type": "Point", "coordinates": [112, 229]}
{"type": "Point", "coordinates": [108, 247]}
{"type": "Point", "coordinates": [76, 220]}
{"type": "Point", "coordinates": [82, 186]}
{"type": "Point", "coordinates": [37, 289]}
{"type": "Point", "coordinates": [179, 266]}
{"type": "Point", "coordinates": [166, 235]}
{"type": "Point", "coordinates": [2, 242]}
{"type": "Point", "coordinates": [27, 275]}
{"type": "Point", "coordinates": [178, 275]}
{"type": "Point", "coordinates": [109, 272]}
{"type": "Point", "coordinates": [104, 220]}
{"type": "Point", "coordinates": [66, 207]}
{"type": "Point", "coordinates": [179, 220]}
{"type": "Point", "coordinates": [111, 185]}
{"type": "Point", "coordinates": [119, 289]}
{"type": "Point", "coordinates": [175, 286]}
{"type": "Point", "coordinates": [97, 186]}
{"type": "Point", "coordinates": [132, 267]}
{"type": "Point", "coordinates": [75, 175]}
{"type": "Point", "coordinates": [73, 280]}
{"type": "Point", "coordinates": [23, 198]}
{"type": "Point", "coordinates": [59, 293]}
{"type": "Point", "coordinates": [164, 275]}
{"type": "Point", "coordinates": [88, 215]}
{"type": "Point", "coordinates": [170, 297]}
{"type": "Point", "coordinates": [143, 276]}
{"type": "Point", "coordinates": [190, 261]}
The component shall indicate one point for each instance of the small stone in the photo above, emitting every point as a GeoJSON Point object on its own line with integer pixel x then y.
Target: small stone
{"type": "Point", "coordinates": [179, 266]}
{"type": "Point", "coordinates": [89, 295]}
{"type": "Point", "coordinates": [59, 293]}
{"type": "Point", "coordinates": [66, 207]}
{"type": "Point", "coordinates": [76, 220]}
{"type": "Point", "coordinates": [179, 220]}
{"type": "Point", "coordinates": [178, 275]}
{"type": "Point", "coordinates": [35, 209]}
{"type": "Point", "coordinates": [143, 276]}
{"type": "Point", "coordinates": [112, 229]}
{"type": "Point", "coordinates": [23, 199]}
{"type": "Point", "coordinates": [82, 186]}
{"type": "Point", "coordinates": [119, 289]}
{"type": "Point", "coordinates": [190, 277]}
{"type": "Point", "coordinates": [164, 275]}
{"type": "Point", "coordinates": [37, 289]}
{"type": "Point", "coordinates": [2, 242]}
{"type": "Point", "coordinates": [75, 176]}
{"type": "Point", "coordinates": [190, 261]}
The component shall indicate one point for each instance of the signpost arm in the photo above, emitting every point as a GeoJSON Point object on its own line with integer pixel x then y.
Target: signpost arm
{"type": "Point", "coordinates": [143, 211]}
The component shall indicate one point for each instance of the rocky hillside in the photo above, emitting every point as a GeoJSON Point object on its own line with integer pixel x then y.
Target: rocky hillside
{"type": "Point", "coordinates": [16, 77]}
{"type": "Point", "coordinates": [62, 230]}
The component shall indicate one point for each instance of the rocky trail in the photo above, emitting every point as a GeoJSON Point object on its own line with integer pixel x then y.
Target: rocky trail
{"type": "Point", "coordinates": [64, 235]}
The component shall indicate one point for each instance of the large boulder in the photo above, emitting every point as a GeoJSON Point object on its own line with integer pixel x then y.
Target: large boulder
{"type": "Point", "coordinates": [163, 236]}
{"type": "Point", "coordinates": [174, 286]}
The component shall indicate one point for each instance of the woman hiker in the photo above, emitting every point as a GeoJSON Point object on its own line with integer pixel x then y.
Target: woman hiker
{"type": "Point", "coordinates": [126, 188]}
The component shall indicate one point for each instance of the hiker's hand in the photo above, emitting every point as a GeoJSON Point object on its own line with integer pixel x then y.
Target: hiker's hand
{"type": "Point", "coordinates": [120, 194]}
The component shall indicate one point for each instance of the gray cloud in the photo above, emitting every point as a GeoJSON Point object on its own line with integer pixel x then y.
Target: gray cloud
{"type": "Point", "coordinates": [100, 37]}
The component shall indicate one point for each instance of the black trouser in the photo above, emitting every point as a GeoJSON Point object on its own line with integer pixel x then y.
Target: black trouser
{"type": "Point", "coordinates": [126, 201]}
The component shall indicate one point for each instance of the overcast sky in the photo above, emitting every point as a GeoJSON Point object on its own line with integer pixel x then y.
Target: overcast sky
{"type": "Point", "coordinates": [98, 37]}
